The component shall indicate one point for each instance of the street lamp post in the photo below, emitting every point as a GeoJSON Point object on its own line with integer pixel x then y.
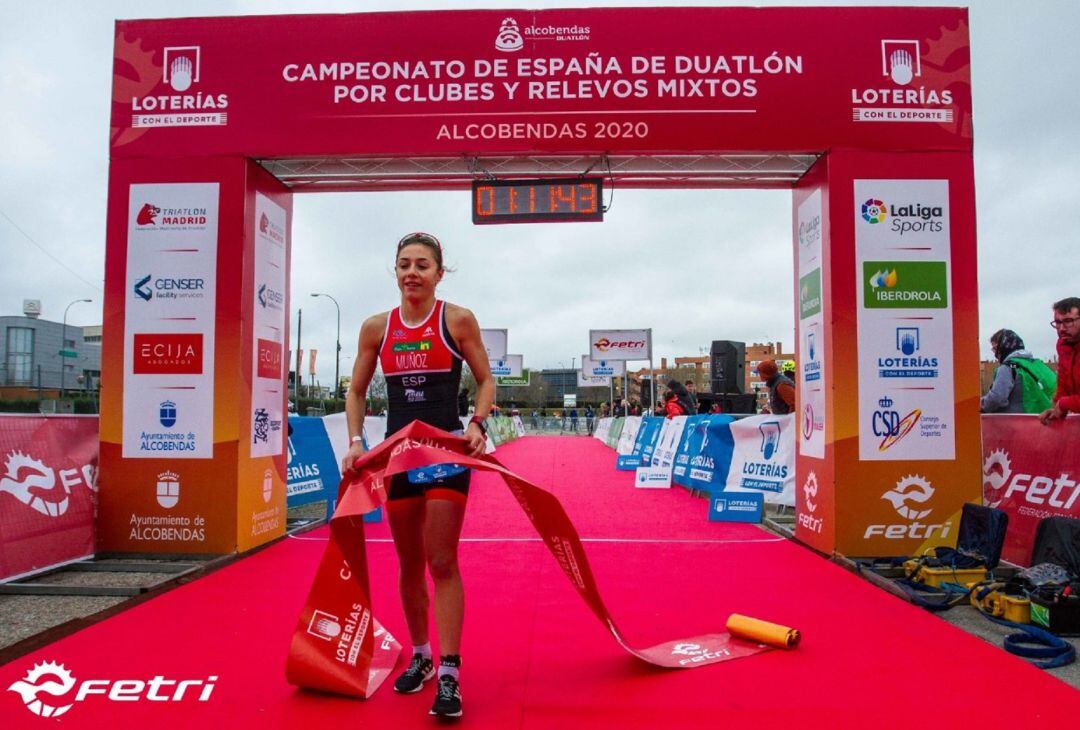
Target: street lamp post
{"type": "Point", "coordinates": [63, 343]}
{"type": "Point", "coordinates": [337, 353]}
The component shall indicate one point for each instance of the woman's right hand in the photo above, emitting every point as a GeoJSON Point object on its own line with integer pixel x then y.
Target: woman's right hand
{"type": "Point", "coordinates": [356, 450]}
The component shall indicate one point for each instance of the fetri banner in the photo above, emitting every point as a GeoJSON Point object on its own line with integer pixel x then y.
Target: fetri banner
{"type": "Point", "coordinates": [1031, 472]}
{"type": "Point", "coordinates": [48, 481]}
{"type": "Point", "coordinates": [620, 345]}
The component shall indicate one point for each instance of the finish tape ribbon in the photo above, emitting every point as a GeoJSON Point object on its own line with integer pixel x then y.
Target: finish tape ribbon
{"type": "Point", "coordinates": [340, 647]}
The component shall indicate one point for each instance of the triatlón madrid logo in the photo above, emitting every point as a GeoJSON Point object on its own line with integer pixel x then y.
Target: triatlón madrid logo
{"type": "Point", "coordinates": [509, 38]}
{"type": "Point", "coordinates": [147, 215]}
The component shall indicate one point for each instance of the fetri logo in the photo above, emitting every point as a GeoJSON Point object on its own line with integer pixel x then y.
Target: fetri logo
{"type": "Point", "coordinates": [874, 211]}
{"type": "Point", "coordinates": [147, 215]}
{"type": "Point", "coordinates": [34, 483]}
{"type": "Point", "coordinates": [910, 493]}
{"type": "Point", "coordinates": [176, 353]}
{"type": "Point", "coordinates": [810, 492]}
{"type": "Point", "coordinates": [1001, 483]}
{"type": "Point", "coordinates": [604, 344]}
{"type": "Point", "coordinates": [56, 682]}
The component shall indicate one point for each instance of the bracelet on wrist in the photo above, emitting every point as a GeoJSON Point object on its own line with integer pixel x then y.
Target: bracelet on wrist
{"type": "Point", "coordinates": [479, 421]}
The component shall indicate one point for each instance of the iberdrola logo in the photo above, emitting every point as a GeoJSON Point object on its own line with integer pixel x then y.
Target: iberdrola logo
{"type": "Point", "coordinates": [886, 279]}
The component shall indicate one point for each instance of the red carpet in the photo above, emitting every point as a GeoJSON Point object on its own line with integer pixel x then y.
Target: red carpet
{"type": "Point", "coordinates": [534, 657]}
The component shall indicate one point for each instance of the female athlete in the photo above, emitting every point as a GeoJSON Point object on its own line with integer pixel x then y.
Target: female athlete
{"type": "Point", "coordinates": [420, 345]}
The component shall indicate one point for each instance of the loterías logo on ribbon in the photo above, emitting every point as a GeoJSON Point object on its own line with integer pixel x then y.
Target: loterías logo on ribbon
{"type": "Point", "coordinates": [47, 689]}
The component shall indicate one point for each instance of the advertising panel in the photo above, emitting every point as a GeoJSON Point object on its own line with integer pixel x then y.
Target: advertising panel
{"type": "Point", "coordinates": [169, 320]}
{"type": "Point", "coordinates": [509, 366]}
{"type": "Point", "coordinates": [1031, 472]}
{"type": "Point", "coordinates": [764, 458]}
{"type": "Point", "coordinates": [620, 345]}
{"type": "Point", "coordinates": [592, 381]}
{"type": "Point", "coordinates": [48, 481]}
{"type": "Point", "coordinates": [704, 457]}
{"type": "Point", "coordinates": [637, 80]}
{"type": "Point", "coordinates": [905, 320]}
{"type": "Point", "coordinates": [268, 332]}
{"type": "Point", "coordinates": [813, 378]}
{"type": "Point", "coordinates": [494, 343]}
{"type": "Point", "coordinates": [602, 368]}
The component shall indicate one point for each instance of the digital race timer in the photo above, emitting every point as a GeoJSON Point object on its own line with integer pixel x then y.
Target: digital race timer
{"type": "Point", "coordinates": [537, 201]}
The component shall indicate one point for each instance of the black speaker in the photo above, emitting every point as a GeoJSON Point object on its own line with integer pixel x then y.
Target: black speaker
{"type": "Point", "coordinates": [728, 363]}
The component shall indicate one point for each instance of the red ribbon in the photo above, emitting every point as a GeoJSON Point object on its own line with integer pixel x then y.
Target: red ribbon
{"type": "Point", "coordinates": [338, 645]}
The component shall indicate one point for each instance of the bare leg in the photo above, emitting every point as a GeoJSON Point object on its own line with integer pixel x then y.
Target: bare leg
{"type": "Point", "coordinates": [406, 519]}
{"type": "Point", "coordinates": [442, 529]}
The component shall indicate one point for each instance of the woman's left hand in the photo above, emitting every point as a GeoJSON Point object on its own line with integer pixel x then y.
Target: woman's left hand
{"type": "Point", "coordinates": [476, 439]}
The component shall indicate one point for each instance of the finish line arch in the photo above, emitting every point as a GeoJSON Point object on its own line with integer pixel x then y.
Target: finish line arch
{"type": "Point", "coordinates": [865, 113]}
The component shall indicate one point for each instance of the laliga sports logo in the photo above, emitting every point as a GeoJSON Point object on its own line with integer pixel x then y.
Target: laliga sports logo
{"type": "Point", "coordinates": [509, 37]}
{"type": "Point", "coordinates": [874, 211]}
{"type": "Point", "coordinates": [147, 214]}
{"type": "Point", "coordinates": [55, 680]}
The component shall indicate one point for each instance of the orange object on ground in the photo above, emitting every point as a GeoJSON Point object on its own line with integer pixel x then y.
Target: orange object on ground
{"type": "Point", "coordinates": [764, 632]}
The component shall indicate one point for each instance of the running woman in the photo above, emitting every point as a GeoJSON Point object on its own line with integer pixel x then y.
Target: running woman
{"type": "Point", "coordinates": [420, 345]}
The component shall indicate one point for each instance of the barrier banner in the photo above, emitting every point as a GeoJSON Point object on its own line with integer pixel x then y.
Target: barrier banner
{"type": "Point", "coordinates": [615, 432]}
{"type": "Point", "coordinates": [742, 507]}
{"type": "Point", "coordinates": [519, 427]}
{"type": "Point", "coordinates": [1030, 471]}
{"type": "Point", "coordinates": [48, 479]}
{"type": "Point", "coordinates": [764, 457]}
{"type": "Point", "coordinates": [628, 436]}
{"type": "Point", "coordinates": [705, 453]}
{"type": "Point", "coordinates": [603, 426]}
{"type": "Point", "coordinates": [339, 647]}
{"type": "Point", "coordinates": [657, 472]}
{"type": "Point", "coordinates": [647, 433]}
{"type": "Point", "coordinates": [312, 466]}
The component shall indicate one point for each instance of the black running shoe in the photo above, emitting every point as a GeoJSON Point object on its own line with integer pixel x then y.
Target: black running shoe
{"type": "Point", "coordinates": [447, 698]}
{"type": "Point", "coordinates": [420, 670]}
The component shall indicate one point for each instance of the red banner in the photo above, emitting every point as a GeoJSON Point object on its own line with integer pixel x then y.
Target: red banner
{"type": "Point", "coordinates": [338, 645]}
{"type": "Point", "coordinates": [48, 479]}
{"type": "Point", "coordinates": [560, 81]}
{"type": "Point", "coordinates": [1030, 471]}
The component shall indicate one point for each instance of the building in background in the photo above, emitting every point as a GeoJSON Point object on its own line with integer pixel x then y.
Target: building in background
{"type": "Point", "coordinates": [37, 356]}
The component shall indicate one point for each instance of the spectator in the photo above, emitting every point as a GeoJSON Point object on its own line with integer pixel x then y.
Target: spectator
{"type": "Point", "coordinates": [691, 390]}
{"type": "Point", "coordinates": [620, 410]}
{"type": "Point", "coordinates": [715, 407]}
{"type": "Point", "coordinates": [589, 415]}
{"type": "Point", "coordinates": [573, 419]}
{"type": "Point", "coordinates": [660, 410]}
{"type": "Point", "coordinates": [781, 389]}
{"type": "Point", "coordinates": [533, 420]}
{"type": "Point", "coordinates": [1017, 380]}
{"type": "Point", "coordinates": [1067, 323]}
{"type": "Point", "coordinates": [683, 396]}
{"type": "Point", "coordinates": [672, 407]}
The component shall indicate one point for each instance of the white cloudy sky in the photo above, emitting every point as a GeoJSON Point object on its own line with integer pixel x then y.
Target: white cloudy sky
{"type": "Point", "coordinates": [694, 266]}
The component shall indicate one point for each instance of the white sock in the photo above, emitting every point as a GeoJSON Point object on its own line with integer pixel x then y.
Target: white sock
{"type": "Point", "coordinates": [423, 650]}
{"type": "Point", "coordinates": [450, 664]}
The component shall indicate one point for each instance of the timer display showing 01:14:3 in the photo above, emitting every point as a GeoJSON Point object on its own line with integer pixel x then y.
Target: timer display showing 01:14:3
{"type": "Point", "coordinates": [537, 201]}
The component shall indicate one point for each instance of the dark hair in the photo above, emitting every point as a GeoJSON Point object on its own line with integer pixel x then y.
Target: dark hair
{"type": "Point", "coordinates": [689, 382]}
{"type": "Point", "coordinates": [1066, 305]}
{"type": "Point", "coordinates": [1005, 343]}
{"type": "Point", "coordinates": [424, 239]}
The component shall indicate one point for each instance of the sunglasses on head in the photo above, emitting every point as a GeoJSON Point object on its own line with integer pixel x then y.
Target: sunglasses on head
{"type": "Point", "coordinates": [419, 237]}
